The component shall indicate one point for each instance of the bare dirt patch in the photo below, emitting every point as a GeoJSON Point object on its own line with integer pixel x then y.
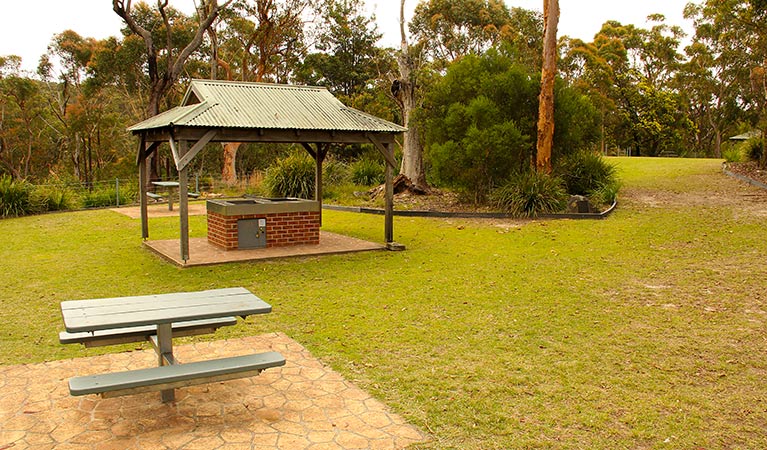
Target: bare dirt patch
{"type": "Point", "coordinates": [707, 191]}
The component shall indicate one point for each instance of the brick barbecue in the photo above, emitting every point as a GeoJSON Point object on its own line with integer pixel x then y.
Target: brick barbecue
{"type": "Point", "coordinates": [248, 223]}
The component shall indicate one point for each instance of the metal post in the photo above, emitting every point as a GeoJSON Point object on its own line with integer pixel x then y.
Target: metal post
{"type": "Point", "coordinates": [165, 355]}
{"type": "Point", "coordinates": [117, 191]}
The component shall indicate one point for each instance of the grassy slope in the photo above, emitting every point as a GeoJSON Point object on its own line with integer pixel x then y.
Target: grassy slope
{"type": "Point", "coordinates": [645, 330]}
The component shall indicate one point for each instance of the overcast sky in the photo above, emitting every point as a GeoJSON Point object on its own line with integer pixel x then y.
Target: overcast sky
{"type": "Point", "coordinates": [28, 25]}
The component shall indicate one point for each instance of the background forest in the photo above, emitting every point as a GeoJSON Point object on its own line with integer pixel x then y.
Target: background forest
{"type": "Point", "coordinates": [466, 78]}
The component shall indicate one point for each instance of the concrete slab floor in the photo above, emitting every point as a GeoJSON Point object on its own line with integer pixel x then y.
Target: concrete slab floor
{"type": "Point", "coordinates": [303, 405]}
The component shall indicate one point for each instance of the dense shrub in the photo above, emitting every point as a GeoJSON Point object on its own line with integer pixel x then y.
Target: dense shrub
{"type": "Point", "coordinates": [585, 172]}
{"type": "Point", "coordinates": [479, 122]}
{"type": "Point", "coordinates": [529, 194]}
{"type": "Point", "coordinates": [753, 149]}
{"type": "Point", "coordinates": [15, 197]}
{"type": "Point", "coordinates": [291, 176]}
{"type": "Point", "coordinates": [367, 171]}
{"type": "Point", "coordinates": [99, 198]}
{"type": "Point", "coordinates": [334, 172]}
{"type": "Point", "coordinates": [732, 153]}
{"type": "Point", "coordinates": [606, 195]}
{"type": "Point", "coordinates": [53, 198]}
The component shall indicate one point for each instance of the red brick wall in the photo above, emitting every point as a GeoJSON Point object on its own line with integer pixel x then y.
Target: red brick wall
{"type": "Point", "coordinates": [292, 228]}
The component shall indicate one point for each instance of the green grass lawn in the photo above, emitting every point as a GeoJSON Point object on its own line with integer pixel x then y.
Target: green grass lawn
{"type": "Point", "coordinates": [645, 330]}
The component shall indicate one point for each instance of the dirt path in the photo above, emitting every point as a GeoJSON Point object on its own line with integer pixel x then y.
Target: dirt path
{"type": "Point", "coordinates": [704, 191]}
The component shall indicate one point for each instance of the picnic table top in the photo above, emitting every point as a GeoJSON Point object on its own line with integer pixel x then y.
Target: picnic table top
{"type": "Point", "coordinates": [121, 312]}
{"type": "Point", "coordinates": [165, 183]}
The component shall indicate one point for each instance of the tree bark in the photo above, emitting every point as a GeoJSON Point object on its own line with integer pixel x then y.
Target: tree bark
{"type": "Point", "coordinates": [228, 171]}
{"type": "Point", "coordinates": [406, 95]}
{"type": "Point", "coordinates": [548, 76]}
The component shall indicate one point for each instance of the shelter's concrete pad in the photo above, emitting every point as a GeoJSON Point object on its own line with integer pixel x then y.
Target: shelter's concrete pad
{"type": "Point", "coordinates": [202, 253]}
{"type": "Point", "coordinates": [303, 405]}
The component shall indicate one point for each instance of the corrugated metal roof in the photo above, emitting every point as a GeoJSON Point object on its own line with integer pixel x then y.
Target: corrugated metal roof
{"type": "Point", "coordinates": [747, 135]}
{"type": "Point", "coordinates": [229, 104]}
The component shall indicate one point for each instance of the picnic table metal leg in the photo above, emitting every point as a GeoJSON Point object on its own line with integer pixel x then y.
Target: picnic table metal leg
{"type": "Point", "coordinates": [165, 357]}
{"type": "Point", "coordinates": [170, 199]}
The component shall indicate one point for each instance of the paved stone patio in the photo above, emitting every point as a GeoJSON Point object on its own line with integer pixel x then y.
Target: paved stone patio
{"type": "Point", "coordinates": [303, 405]}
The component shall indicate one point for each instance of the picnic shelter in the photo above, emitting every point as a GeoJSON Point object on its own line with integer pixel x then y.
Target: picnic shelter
{"type": "Point", "coordinates": [225, 111]}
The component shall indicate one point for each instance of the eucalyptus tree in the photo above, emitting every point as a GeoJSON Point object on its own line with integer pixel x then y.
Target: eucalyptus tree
{"type": "Point", "coordinates": [86, 129]}
{"type": "Point", "coordinates": [261, 40]}
{"type": "Point", "coordinates": [169, 42]}
{"type": "Point", "coordinates": [167, 47]}
{"type": "Point", "coordinates": [545, 139]}
{"type": "Point", "coordinates": [444, 31]}
{"type": "Point", "coordinates": [455, 28]}
{"type": "Point", "coordinates": [406, 92]}
{"type": "Point", "coordinates": [728, 63]}
{"type": "Point", "coordinates": [630, 71]}
{"type": "Point", "coordinates": [21, 106]}
{"type": "Point", "coordinates": [347, 58]}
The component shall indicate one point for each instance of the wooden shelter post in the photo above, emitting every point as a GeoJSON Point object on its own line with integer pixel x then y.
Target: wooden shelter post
{"type": "Point", "coordinates": [389, 221]}
{"type": "Point", "coordinates": [183, 204]}
{"type": "Point", "coordinates": [142, 179]}
{"type": "Point", "coordinates": [319, 158]}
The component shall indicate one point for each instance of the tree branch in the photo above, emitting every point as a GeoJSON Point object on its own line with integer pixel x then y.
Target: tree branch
{"type": "Point", "coordinates": [161, 5]}
{"type": "Point", "coordinates": [123, 10]}
{"type": "Point", "coordinates": [178, 65]}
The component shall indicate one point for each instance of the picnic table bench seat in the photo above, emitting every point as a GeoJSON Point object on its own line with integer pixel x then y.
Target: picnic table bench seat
{"type": "Point", "coordinates": [137, 334]}
{"type": "Point", "coordinates": [174, 376]}
{"type": "Point", "coordinates": [154, 196]}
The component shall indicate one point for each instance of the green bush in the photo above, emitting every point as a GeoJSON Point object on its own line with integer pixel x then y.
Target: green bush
{"type": "Point", "coordinates": [367, 172]}
{"type": "Point", "coordinates": [98, 198]}
{"type": "Point", "coordinates": [732, 153]}
{"type": "Point", "coordinates": [529, 194]}
{"type": "Point", "coordinates": [15, 197]}
{"type": "Point", "coordinates": [605, 195]}
{"type": "Point", "coordinates": [53, 198]}
{"type": "Point", "coordinates": [585, 172]}
{"type": "Point", "coordinates": [334, 172]}
{"type": "Point", "coordinates": [292, 176]}
{"type": "Point", "coordinates": [107, 196]}
{"type": "Point", "coordinates": [753, 149]}
{"type": "Point", "coordinates": [479, 122]}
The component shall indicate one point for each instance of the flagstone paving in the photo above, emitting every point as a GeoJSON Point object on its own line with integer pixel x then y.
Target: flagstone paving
{"type": "Point", "coordinates": [303, 405]}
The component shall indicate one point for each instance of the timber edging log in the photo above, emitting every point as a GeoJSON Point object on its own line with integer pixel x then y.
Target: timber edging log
{"type": "Point", "coordinates": [468, 215]}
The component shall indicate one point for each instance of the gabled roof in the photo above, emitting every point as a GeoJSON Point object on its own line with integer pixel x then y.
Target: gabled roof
{"type": "Point", "coordinates": [227, 104]}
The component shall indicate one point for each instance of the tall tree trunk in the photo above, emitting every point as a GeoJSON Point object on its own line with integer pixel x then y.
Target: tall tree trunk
{"type": "Point", "coordinates": [548, 75]}
{"type": "Point", "coordinates": [153, 160]}
{"type": "Point", "coordinates": [228, 172]}
{"type": "Point", "coordinates": [406, 94]}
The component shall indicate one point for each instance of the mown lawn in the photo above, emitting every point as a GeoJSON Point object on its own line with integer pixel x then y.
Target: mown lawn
{"type": "Point", "coordinates": [645, 330]}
